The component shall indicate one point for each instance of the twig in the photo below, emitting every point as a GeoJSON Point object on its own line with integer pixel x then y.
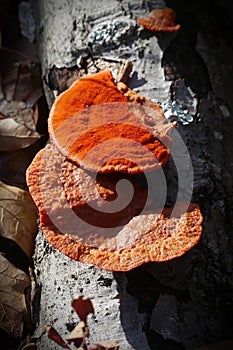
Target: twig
{"type": "Point", "coordinates": [124, 72]}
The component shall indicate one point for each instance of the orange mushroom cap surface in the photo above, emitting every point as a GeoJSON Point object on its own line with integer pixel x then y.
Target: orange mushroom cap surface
{"type": "Point", "coordinates": [94, 126]}
{"type": "Point", "coordinates": [152, 236]}
{"type": "Point", "coordinates": [90, 90]}
{"type": "Point", "coordinates": [160, 20]}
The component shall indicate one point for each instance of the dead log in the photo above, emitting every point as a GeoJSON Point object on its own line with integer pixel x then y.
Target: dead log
{"type": "Point", "coordinates": [185, 302]}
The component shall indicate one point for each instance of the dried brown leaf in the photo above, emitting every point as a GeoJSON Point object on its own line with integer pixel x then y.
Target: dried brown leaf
{"type": "Point", "coordinates": [13, 308]}
{"type": "Point", "coordinates": [18, 216]}
{"type": "Point", "coordinates": [80, 331]}
{"type": "Point", "coordinates": [105, 345]}
{"type": "Point", "coordinates": [17, 129]}
{"type": "Point", "coordinates": [83, 307]}
{"type": "Point", "coordinates": [55, 336]}
{"type": "Point", "coordinates": [34, 96]}
{"type": "Point", "coordinates": [36, 114]}
{"type": "Point", "coordinates": [21, 79]}
{"type": "Point", "coordinates": [78, 334]}
{"type": "Point", "coordinates": [13, 165]}
{"type": "Point", "coordinates": [14, 135]}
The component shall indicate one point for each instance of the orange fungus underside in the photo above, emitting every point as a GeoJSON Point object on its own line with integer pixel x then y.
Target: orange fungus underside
{"type": "Point", "coordinates": [160, 235]}
{"type": "Point", "coordinates": [160, 20]}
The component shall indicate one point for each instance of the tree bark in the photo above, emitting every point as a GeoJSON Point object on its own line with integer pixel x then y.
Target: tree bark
{"type": "Point", "coordinates": [186, 302]}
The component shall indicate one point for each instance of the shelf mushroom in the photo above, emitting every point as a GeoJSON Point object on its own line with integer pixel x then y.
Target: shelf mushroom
{"type": "Point", "coordinates": [81, 211]}
{"type": "Point", "coordinates": [160, 20]}
{"type": "Point", "coordinates": [136, 239]}
{"type": "Point", "coordinates": [93, 122]}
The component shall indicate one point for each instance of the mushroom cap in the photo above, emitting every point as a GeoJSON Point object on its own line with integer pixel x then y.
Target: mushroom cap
{"type": "Point", "coordinates": [160, 20]}
{"type": "Point", "coordinates": [157, 235]}
{"type": "Point", "coordinates": [90, 90]}
{"type": "Point", "coordinates": [94, 126]}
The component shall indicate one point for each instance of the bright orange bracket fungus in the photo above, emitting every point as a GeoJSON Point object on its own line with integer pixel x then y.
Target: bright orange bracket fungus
{"type": "Point", "coordinates": [160, 20]}
{"type": "Point", "coordinates": [86, 208]}
{"type": "Point", "coordinates": [60, 188]}
{"type": "Point", "coordinates": [105, 127]}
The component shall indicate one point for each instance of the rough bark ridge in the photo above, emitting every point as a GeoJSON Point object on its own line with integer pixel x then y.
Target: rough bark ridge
{"type": "Point", "coordinates": [186, 302]}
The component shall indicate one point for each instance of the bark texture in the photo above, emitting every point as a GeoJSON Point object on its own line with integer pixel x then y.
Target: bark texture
{"type": "Point", "coordinates": [183, 303]}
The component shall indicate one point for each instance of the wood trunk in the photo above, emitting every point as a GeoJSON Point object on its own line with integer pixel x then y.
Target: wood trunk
{"type": "Point", "coordinates": [186, 302]}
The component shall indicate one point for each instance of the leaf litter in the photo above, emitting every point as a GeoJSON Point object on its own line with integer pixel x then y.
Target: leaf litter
{"type": "Point", "coordinates": [13, 308]}
{"type": "Point", "coordinates": [23, 132]}
{"type": "Point", "coordinates": [18, 216]}
{"type": "Point", "coordinates": [78, 336]}
{"type": "Point", "coordinates": [17, 122]}
{"type": "Point", "coordinates": [14, 135]}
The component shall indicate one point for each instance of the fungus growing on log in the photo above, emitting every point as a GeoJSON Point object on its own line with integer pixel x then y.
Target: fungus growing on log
{"type": "Point", "coordinates": [160, 20]}
{"type": "Point", "coordinates": [153, 236]}
{"type": "Point", "coordinates": [91, 122]}
{"type": "Point", "coordinates": [83, 211]}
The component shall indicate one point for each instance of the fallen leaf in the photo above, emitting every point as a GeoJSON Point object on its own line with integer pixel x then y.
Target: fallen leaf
{"type": "Point", "coordinates": [34, 96]}
{"type": "Point", "coordinates": [55, 336]}
{"type": "Point", "coordinates": [78, 334]}
{"type": "Point", "coordinates": [21, 79]}
{"type": "Point", "coordinates": [13, 165]}
{"type": "Point", "coordinates": [36, 114]}
{"type": "Point", "coordinates": [14, 135]}
{"type": "Point", "coordinates": [105, 345]}
{"type": "Point", "coordinates": [83, 307]}
{"type": "Point", "coordinates": [13, 308]}
{"type": "Point", "coordinates": [18, 216]}
{"type": "Point", "coordinates": [19, 111]}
